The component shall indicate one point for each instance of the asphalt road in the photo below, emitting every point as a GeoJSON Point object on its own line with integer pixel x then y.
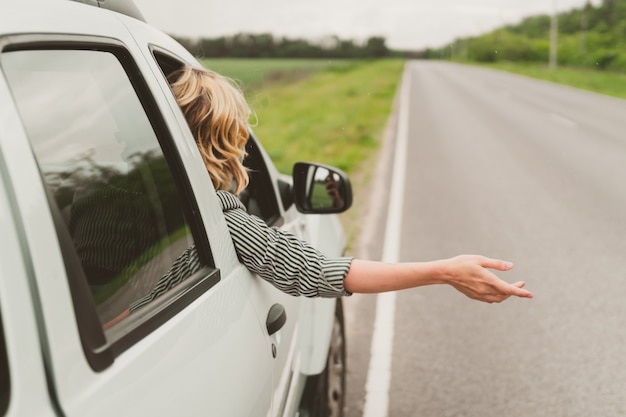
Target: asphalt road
{"type": "Point", "coordinates": [526, 171]}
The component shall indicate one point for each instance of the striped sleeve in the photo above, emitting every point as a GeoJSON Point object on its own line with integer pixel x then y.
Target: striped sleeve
{"type": "Point", "coordinates": [279, 257]}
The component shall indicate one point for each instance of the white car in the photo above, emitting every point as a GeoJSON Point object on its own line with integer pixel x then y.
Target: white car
{"type": "Point", "coordinates": [102, 190]}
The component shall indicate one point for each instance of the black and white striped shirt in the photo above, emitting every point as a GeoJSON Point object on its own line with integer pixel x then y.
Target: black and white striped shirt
{"type": "Point", "coordinates": [290, 264]}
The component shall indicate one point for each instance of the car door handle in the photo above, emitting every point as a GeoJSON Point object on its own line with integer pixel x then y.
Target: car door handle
{"type": "Point", "coordinates": [276, 318]}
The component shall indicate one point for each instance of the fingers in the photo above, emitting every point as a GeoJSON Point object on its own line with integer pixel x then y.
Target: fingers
{"type": "Point", "coordinates": [520, 292]}
{"type": "Point", "coordinates": [498, 298]}
{"type": "Point", "coordinates": [502, 290]}
{"type": "Point", "coordinates": [516, 289]}
{"type": "Point", "coordinates": [482, 284]}
{"type": "Point", "coordinates": [496, 264]}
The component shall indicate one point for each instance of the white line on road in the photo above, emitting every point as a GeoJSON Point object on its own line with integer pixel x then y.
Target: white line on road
{"type": "Point", "coordinates": [379, 372]}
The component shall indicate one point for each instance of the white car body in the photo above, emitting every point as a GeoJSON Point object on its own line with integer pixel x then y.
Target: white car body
{"type": "Point", "coordinates": [213, 355]}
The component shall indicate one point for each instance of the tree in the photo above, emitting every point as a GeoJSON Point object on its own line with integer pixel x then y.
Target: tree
{"type": "Point", "coordinates": [375, 47]}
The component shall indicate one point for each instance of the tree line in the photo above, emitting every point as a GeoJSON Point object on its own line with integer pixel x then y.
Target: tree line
{"type": "Point", "coordinates": [265, 45]}
{"type": "Point", "coordinates": [590, 36]}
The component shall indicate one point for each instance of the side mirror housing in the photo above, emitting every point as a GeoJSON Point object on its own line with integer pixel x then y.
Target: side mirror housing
{"type": "Point", "coordinates": [320, 189]}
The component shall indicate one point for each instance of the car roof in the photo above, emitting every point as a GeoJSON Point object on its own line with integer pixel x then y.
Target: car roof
{"type": "Point", "coordinates": [126, 7]}
{"type": "Point", "coordinates": [60, 17]}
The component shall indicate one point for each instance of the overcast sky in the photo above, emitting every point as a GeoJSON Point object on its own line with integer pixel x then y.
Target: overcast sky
{"type": "Point", "coordinates": [406, 24]}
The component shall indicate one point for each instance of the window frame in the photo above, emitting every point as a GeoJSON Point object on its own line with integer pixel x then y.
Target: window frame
{"type": "Point", "coordinates": [99, 352]}
{"type": "Point", "coordinates": [5, 373]}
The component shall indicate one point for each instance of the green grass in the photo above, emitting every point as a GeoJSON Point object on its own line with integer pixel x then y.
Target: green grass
{"type": "Point", "coordinates": [335, 117]}
{"type": "Point", "coordinates": [330, 111]}
{"type": "Point", "coordinates": [604, 82]}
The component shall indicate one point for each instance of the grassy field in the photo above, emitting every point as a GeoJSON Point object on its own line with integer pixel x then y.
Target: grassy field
{"type": "Point", "coordinates": [604, 82]}
{"type": "Point", "coordinates": [317, 110]}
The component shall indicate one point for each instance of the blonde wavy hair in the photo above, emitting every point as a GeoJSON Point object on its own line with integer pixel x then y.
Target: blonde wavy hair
{"type": "Point", "coordinates": [217, 114]}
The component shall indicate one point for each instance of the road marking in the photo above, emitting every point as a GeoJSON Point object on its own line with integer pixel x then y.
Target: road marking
{"type": "Point", "coordinates": [564, 121]}
{"type": "Point", "coordinates": [379, 372]}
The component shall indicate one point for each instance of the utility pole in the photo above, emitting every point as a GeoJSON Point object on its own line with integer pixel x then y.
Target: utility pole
{"type": "Point", "coordinates": [554, 30]}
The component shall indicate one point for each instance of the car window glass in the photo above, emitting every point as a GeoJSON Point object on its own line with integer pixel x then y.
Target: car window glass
{"type": "Point", "coordinates": [100, 158]}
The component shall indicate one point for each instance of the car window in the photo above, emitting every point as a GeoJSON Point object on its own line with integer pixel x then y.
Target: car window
{"type": "Point", "coordinates": [259, 197]}
{"type": "Point", "coordinates": [109, 179]}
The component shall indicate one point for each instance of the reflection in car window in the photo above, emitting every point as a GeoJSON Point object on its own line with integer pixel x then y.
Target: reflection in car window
{"type": "Point", "coordinates": [101, 159]}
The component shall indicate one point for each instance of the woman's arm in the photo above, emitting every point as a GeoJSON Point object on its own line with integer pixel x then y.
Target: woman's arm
{"type": "Point", "coordinates": [467, 273]}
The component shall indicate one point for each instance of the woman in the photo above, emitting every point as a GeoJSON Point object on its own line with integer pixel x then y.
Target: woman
{"type": "Point", "coordinates": [218, 115]}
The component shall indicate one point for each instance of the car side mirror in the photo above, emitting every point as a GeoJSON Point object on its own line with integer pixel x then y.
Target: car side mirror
{"type": "Point", "coordinates": [320, 189]}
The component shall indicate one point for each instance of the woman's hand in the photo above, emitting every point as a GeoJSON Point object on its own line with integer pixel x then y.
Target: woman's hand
{"type": "Point", "coordinates": [470, 275]}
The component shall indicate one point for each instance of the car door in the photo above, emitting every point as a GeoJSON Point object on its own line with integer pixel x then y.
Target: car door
{"type": "Point", "coordinates": [261, 199]}
{"type": "Point", "coordinates": [145, 309]}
